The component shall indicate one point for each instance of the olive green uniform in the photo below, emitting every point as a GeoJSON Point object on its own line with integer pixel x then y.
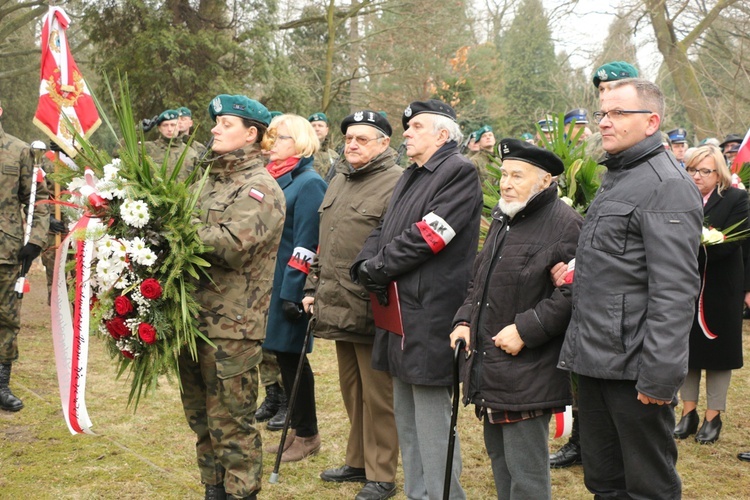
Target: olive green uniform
{"type": "Point", "coordinates": [161, 148]}
{"type": "Point", "coordinates": [481, 159]}
{"type": "Point", "coordinates": [243, 211]}
{"type": "Point", "coordinates": [197, 146]}
{"type": "Point", "coordinates": [326, 158]}
{"type": "Point", "coordinates": [17, 167]}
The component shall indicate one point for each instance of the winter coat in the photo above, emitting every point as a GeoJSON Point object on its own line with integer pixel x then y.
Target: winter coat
{"type": "Point", "coordinates": [512, 285]}
{"type": "Point", "coordinates": [426, 244]}
{"type": "Point", "coordinates": [304, 191]}
{"type": "Point", "coordinates": [243, 211]}
{"type": "Point", "coordinates": [724, 280]}
{"type": "Point", "coordinates": [636, 275]}
{"type": "Point", "coordinates": [353, 206]}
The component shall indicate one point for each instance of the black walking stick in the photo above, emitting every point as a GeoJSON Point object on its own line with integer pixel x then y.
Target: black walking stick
{"type": "Point", "coordinates": [460, 344]}
{"type": "Point", "coordinates": [290, 405]}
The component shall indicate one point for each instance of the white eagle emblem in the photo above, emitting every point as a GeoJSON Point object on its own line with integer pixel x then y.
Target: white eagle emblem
{"type": "Point", "coordinates": [407, 111]}
{"type": "Point", "coordinates": [506, 150]}
{"type": "Point", "coordinates": [217, 105]}
{"type": "Point", "coordinates": [358, 116]}
{"type": "Point", "coordinates": [602, 74]}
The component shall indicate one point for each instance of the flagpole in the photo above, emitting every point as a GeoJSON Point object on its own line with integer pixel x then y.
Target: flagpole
{"type": "Point", "coordinates": [58, 212]}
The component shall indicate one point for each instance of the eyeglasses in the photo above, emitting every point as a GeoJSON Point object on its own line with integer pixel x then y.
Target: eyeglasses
{"type": "Point", "coordinates": [615, 114]}
{"type": "Point", "coordinates": [362, 141]}
{"type": "Point", "coordinates": [282, 137]}
{"type": "Point", "coordinates": [704, 172]}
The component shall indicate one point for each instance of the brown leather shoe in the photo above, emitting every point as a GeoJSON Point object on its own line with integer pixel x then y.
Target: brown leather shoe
{"type": "Point", "coordinates": [274, 448]}
{"type": "Point", "coordinates": [301, 448]}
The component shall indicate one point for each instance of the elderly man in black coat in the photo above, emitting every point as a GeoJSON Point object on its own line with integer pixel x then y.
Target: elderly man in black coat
{"type": "Point", "coordinates": [514, 319]}
{"type": "Point", "coordinates": [426, 244]}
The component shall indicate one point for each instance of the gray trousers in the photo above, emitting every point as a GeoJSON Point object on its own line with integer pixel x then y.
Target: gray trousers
{"type": "Point", "coordinates": [520, 458]}
{"type": "Point", "coordinates": [717, 386]}
{"type": "Point", "coordinates": [423, 419]}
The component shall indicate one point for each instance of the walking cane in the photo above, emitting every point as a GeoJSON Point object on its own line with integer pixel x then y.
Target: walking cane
{"type": "Point", "coordinates": [290, 405]}
{"type": "Point", "coordinates": [460, 344]}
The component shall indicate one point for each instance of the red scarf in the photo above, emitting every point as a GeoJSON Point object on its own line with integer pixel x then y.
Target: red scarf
{"type": "Point", "coordinates": [277, 169]}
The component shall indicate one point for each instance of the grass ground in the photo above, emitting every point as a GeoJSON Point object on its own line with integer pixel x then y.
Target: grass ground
{"type": "Point", "coordinates": [149, 454]}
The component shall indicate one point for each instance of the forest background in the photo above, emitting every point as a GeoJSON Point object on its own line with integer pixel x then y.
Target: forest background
{"type": "Point", "coordinates": [506, 63]}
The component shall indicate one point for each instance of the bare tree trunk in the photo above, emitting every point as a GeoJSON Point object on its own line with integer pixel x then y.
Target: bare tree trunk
{"type": "Point", "coordinates": [354, 57]}
{"type": "Point", "coordinates": [330, 47]}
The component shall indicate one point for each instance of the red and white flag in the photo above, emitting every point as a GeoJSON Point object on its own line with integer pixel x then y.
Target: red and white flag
{"type": "Point", "coordinates": [62, 90]}
{"type": "Point", "coordinates": [743, 155]}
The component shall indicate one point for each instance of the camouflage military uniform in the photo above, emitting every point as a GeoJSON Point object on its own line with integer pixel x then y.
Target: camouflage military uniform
{"type": "Point", "coordinates": [197, 146]}
{"type": "Point", "coordinates": [17, 167]}
{"type": "Point", "coordinates": [325, 158]}
{"type": "Point", "coordinates": [161, 148]}
{"type": "Point", "coordinates": [243, 211]}
{"type": "Point", "coordinates": [481, 159]}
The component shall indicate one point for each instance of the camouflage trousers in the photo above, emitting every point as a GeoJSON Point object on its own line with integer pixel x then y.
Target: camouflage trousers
{"type": "Point", "coordinates": [219, 397]}
{"type": "Point", "coordinates": [269, 370]}
{"type": "Point", "coordinates": [10, 313]}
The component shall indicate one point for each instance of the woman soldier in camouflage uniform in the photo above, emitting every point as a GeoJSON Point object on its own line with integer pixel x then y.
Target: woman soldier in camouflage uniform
{"type": "Point", "coordinates": [242, 216]}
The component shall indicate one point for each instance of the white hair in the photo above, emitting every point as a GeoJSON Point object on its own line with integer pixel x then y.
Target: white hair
{"type": "Point", "coordinates": [440, 122]}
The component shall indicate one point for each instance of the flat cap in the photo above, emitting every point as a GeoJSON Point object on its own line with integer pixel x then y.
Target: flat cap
{"type": "Point", "coordinates": [169, 114]}
{"type": "Point", "coordinates": [238, 105]}
{"type": "Point", "coordinates": [615, 70]}
{"type": "Point", "coordinates": [731, 138]}
{"type": "Point", "coordinates": [432, 106]}
{"type": "Point", "coordinates": [318, 117]}
{"type": "Point", "coordinates": [183, 111]}
{"type": "Point", "coordinates": [678, 136]}
{"type": "Point", "coordinates": [513, 149]}
{"type": "Point", "coordinates": [580, 115]}
{"type": "Point", "coordinates": [370, 118]}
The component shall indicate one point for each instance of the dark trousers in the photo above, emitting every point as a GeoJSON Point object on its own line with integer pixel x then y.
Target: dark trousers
{"type": "Point", "coordinates": [627, 446]}
{"type": "Point", "coordinates": [304, 419]}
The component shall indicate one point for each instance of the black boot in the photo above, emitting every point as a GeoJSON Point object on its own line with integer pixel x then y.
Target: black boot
{"type": "Point", "coordinates": [688, 425]}
{"type": "Point", "coordinates": [270, 405]}
{"type": "Point", "coordinates": [215, 492]}
{"type": "Point", "coordinates": [277, 422]}
{"type": "Point", "coordinates": [8, 401]}
{"type": "Point", "coordinates": [709, 431]}
{"type": "Point", "coordinates": [570, 453]}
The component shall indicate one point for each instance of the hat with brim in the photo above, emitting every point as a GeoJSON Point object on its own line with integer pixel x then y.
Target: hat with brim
{"type": "Point", "coordinates": [678, 136]}
{"type": "Point", "coordinates": [513, 149]}
{"type": "Point", "coordinates": [432, 106]}
{"type": "Point", "coordinates": [580, 115]}
{"type": "Point", "coordinates": [370, 118]}
{"type": "Point", "coordinates": [239, 105]}
{"type": "Point", "coordinates": [731, 138]}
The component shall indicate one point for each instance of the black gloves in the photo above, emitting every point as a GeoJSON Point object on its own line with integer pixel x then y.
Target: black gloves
{"type": "Point", "coordinates": [380, 291]}
{"type": "Point", "coordinates": [28, 253]}
{"type": "Point", "coordinates": [53, 146]}
{"type": "Point", "coordinates": [292, 311]}
{"type": "Point", "coordinates": [56, 226]}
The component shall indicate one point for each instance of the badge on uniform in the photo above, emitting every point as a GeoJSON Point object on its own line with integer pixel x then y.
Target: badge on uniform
{"type": "Point", "coordinates": [217, 105]}
{"type": "Point", "coordinates": [358, 116]}
{"type": "Point", "coordinates": [407, 111]}
{"type": "Point", "coordinates": [256, 195]}
{"type": "Point", "coordinates": [602, 74]}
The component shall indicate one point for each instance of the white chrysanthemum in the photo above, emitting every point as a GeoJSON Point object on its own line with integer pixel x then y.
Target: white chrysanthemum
{"type": "Point", "coordinates": [136, 245]}
{"type": "Point", "coordinates": [145, 257]}
{"type": "Point", "coordinates": [105, 246]}
{"type": "Point", "coordinates": [134, 213]}
{"type": "Point", "coordinates": [119, 249]}
{"type": "Point", "coordinates": [111, 171]}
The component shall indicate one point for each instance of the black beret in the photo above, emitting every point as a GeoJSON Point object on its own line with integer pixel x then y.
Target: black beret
{"type": "Point", "coordinates": [429, 106]}
{"type": "Point", "coordinates": [731, 138]}
{"type": "Point", "coordinates": [367, 117]}
{"type": "Point", "coordinates": [513, 149]}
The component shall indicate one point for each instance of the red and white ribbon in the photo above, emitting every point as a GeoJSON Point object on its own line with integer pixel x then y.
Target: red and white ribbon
{"type": "Point", "coordinates": [564, 423]}
{"type": "Point", "coordinates": [701, 312]}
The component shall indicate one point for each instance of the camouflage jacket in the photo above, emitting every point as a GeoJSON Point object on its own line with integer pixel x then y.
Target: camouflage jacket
{"type": "Point", "coordinates": [243, 210]}
{"type": "Point", "coordinates": [17, 168]}
{"type": "Point", "coordinates": [162, 148]}
{"type": "Point", "coordinates": [197, 146]}
{"type": "Point", "coordinates": [481, 159]}
{"type": "Point", "coordinates": [325, 158]}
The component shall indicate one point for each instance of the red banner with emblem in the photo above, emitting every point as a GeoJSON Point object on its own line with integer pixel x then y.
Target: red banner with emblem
{"type": "Point", "coordinates": [62, 91]}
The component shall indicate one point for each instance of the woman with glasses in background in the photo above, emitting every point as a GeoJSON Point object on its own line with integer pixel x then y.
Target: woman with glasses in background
{"type": "Point", "coordinates": [716, 336]}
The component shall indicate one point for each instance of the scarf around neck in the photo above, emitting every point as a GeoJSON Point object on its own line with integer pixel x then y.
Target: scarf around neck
{"type": "Point", "coordinates": [279, 168]}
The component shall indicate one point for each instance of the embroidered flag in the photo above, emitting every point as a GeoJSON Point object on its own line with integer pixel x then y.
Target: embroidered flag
{"type": "Point", "coordinates": [62, 90]}
{"type": "Point", "coordinates": [256, 195]}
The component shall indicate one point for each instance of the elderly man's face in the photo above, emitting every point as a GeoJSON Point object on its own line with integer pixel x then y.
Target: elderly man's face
{"type": "Point", "coordinates": [321, 129]}
{"type": "Point", "coordinates": [358, 155]}
{"type": "Point", "coordinates": [521, 180]}
{"type": "Point", "coordinates": [622, 132]}
{"type": "Point", "coordinates": [421, 140]}
{"type": "Point", "coordinates": [487, 141]}
{"type": "Point", "coordinates": [168, 128]}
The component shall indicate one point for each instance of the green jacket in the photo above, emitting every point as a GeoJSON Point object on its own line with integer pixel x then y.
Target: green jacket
{"type": "Point", "coordinates": [481, 159]}
{"type": "Point", "coordinates": [325, 158]}
{"type": "Point", "coordinates": [353, 206]}
{"type": "Point", "coordinates": [17, 167]}
{"type": "Point", "coordinates": [161, 148]}
{"type": "Point", "coordinates": [243, 211]}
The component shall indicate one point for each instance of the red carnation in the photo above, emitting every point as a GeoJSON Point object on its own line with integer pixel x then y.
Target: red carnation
{"type": "Point", "coordinates": [147, 333]}
{"type": "Point", "coordinates": [117, 328]}
{"type": "Point", "coordinates": [151, 289]}
{"type": "Point", "coordinates": [123, 305]}
{"type": "Point", "coordinates": [128, 354]}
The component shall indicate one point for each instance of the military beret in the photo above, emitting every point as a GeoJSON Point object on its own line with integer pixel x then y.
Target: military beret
{"type": "Point", "coordinates": [734, 148]}
{"type": "Point", "coordinates": [169, 114]}
{"type": "Point", "coordinates": [615, 70]}
{"type": "Point", "coordinates": [432, 106]}
{"type": "Point", "coordinates": [367, 117]}
{"type": "Point", "coordinates": [473, 136]}
{"type": "Point", "coordinates": [513, 149]}
{"type": "Point", "coordinates": [546, 124]}
{"type": "Point", "coordinates": [677, 136]}
{"type": "Point", "coordinates": [713, 141]}
{"type": "Point", "coordinates": [580, 115]}
{"type": "Point", "coordinates": [183, 111]}
{"type": "Point", "coordinates": [526, 136]}
{"type": "Point", "coordinates": [731, 138]}
{"type": "Point", "coordinates": [239, 105]}
{"type": "Point", "coordinates": [274, 114]}
{"type": "Point", "coordinates": [483, 130]}
{"type": "Point", "coordinates": [318, 117]}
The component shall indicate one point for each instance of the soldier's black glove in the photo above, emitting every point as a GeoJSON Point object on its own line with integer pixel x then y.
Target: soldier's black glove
{"type": "Point", "coordinates": [292, 311]}
{"type": "Point", "coordinates": [56, 226]}
{"type": "Point", "coordinates": [28, 253]}
{"type": "Point", "coordinates": [53, 146]}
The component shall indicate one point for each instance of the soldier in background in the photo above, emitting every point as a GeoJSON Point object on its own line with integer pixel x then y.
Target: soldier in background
{"type": "Point", "coordinates": [678, 139]}
{"type": "Point", "coordinates": [169, 146]}
{"type": "Point", "coordinates": [547, 126]}
{"type": "Point", "coordinates": [184, 124]}
{"type": "Point", "coordinates": [326, 156]}
{"type": "Point", "coordinates": [243, 211]}
{"type": "Point", "coordinates": [15, 189]}
{"type": "Point", "coordinates": [472, 145]}
{"type": "Point", "coordinates": [485, 139]}
{"type": "Point", "coordinates": [580, 115]}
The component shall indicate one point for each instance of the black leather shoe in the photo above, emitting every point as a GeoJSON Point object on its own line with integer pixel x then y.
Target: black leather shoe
{"type": "Point", "coordinates": [567, 456]}
{"type": "Point", "coordinates": [709, 431]}
{"type": "Point", "coordinates": [277, 422]}
{"type": "Point", "coordinates": [344, 474]}
{"type": "Point", "coordinates": [376, 490]}
{"type": "Point", "coordinates": [215, 492]}
{"type": "Point", "coordinates": [688, 425]}
{"type": "Point", "coordinates": [271, 403]}
{"type": "Point", "coordinates": [745, 457]}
